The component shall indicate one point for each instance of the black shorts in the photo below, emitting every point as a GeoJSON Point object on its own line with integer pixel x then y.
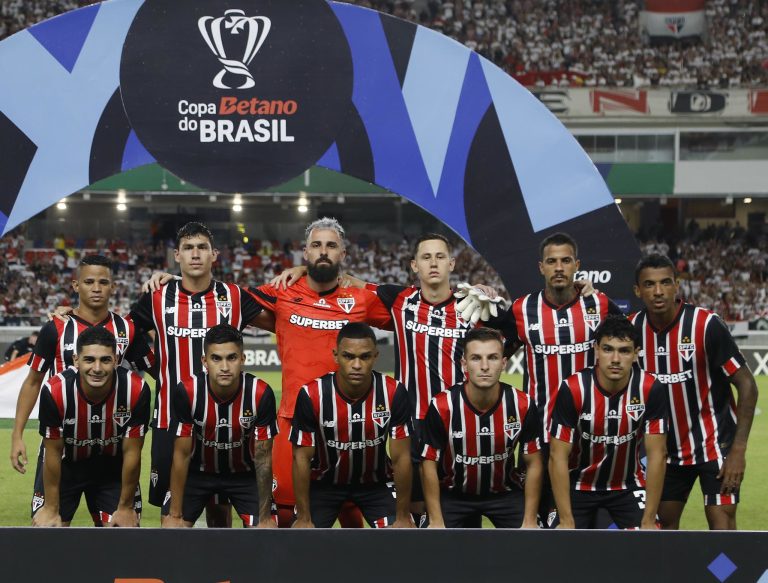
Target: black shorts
{"type": "Point", "coordinates": [239, 488]}
{"type": "Point", "coordinates": [504, 510]}
{"type": "Point", "coordinates": [38, 496]}
{"type": "Point", "coordinates": [626, 507]}
{"type": "Point", "coordinates": [679, 480]}
{"type": "Point", "coordinates": [375, 501]}
{"type": "Point", "coordinates": [99, 478]}
{"type": "Point", "coordinates": [160, 472]}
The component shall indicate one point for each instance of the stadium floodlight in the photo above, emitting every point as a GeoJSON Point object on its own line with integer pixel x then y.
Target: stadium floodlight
{"type": "Point", "coordinates": [121, 206]}
{"type": "Point", "coordinates": [61, 205]}
{"type": "Point", "coordinates": [303, 208]}
{"type": "Point", "coordinates": [748, 200]}
{"type": "Point", "coordinates": [340, 199]}
{"type": "Point", "coordinates": [618, 201]}
{"type": "Point", "coordinates": [237, 207]}
{"type": "Point", "coordinates": [729, 199]}
{"type": "Point", "coordinates": [212, 198]}
{"type": "Point", "coordinates": [121, 195]}
{"type": "Point", "coordinates": [238, 198]}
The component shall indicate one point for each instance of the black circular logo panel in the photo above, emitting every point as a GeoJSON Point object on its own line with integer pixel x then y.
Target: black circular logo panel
{"type": "Point", "coordinates": [236, 96]}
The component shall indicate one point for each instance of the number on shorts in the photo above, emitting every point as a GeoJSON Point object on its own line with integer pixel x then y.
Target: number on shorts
{"type": "Point", "coordinates": [640, 495]}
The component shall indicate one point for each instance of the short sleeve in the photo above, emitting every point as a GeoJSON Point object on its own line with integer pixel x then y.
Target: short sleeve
{"type": "Point", "coordinates": [434, 435]}
{"type": "Point", "coordinates": [139, 421]}
{"type": "Point", "coordinates": [506, 324]}
{"type": "Point", "coordinates": [304, 423]}
{"type": "Point", "coordinates": [51, 423]}
{"type": "Point", "coordinates": [182, 411]}
{"type": "Point", "coordinates": [141, 314]}
{"type": "Point", "coordinates": [140, 354]}
{"type": "Point", "coordinates": [400, 426]}
{"type": "Point", "coordinates": [44, 352]}
{"type": "Point", "coordinates": [657, 409]}
{"type": "Point", "coordinates": [376, 313]}
{"type": "Point", "coordinates": [564, 417]}
{"type": "Point", "coordinates": [387, 293]}
{"type": "Point", "coordinates": [722, 351]}
{"type": "Point", "coordinates": [529, 433]}
{"type": "Point", "coordinates": [266, 416]}
{"type": "Point", "coordinates": [249, 307]}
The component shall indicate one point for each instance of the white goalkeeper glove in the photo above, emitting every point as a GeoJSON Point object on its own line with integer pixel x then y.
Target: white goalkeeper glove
{"type": "Point", "coordinates": [475, 305]}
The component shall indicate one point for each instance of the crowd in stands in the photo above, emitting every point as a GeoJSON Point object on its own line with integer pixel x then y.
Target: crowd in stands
{"type": "Point", "coordinates": [560, 42]}
{"type": "Point", "coordinates": [598, 42]}
{"type": "Point", "coordinates": [720, 268]}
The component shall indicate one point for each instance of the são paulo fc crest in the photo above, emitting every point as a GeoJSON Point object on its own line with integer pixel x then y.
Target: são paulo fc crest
{"type": "Point", "coordinates": [224, 306]}
{"type": "Point", "coordinates": [592, 319]}
{"type": "Point", "coordinates": [121, 416]}
{"type": "Point", "coordinates": [247, 419]}
{"type": "Point", "coordinates": [381, 416]}
{"type": "Point", "coordinates": [37, 501]}
{"type": "Point", "coordinates": [512, 427]}
{"type": "Point", "coordinates": [635, 409]}
{"type": "Point", "coordinates": [686, 348]}
{"type": "Point", "coordinates": [346, 303]}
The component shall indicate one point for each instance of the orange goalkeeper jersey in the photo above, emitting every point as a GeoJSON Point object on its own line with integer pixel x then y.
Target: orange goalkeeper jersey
{"type": "Point", "coordinates": [307, 323]}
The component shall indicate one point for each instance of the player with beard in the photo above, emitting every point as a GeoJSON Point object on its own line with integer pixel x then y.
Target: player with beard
{"type": "Point", "coordinates": [556, 326]}
{"type": "Point", "coordinates": [308, 317]}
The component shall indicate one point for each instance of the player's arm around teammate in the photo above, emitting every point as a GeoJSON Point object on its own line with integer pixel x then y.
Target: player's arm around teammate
{"type": "Point", "coordinates": [48, 514]}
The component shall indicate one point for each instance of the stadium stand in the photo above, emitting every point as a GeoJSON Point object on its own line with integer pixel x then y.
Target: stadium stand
{"type": "Point", "coordinates": [721, 269]}
{"type": "Point", "coordinates": [561, 42]}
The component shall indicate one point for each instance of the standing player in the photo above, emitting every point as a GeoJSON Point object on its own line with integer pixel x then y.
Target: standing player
{"type": "Point", "coordinates": [606, 411]}
{"type": "Point", "coordinates": [556, 326]}
{"type": "Point", "coordinates": [308, 317]}
{"type": "Point", "coordinates": [690, 349]}
{"type": "Point", "coordinates": [93, 419]}
{"type": "Point", "coordinates": [220, 414]}
{"type": "Point", "coordinates": [470, 434]}
{"type": "Point", "coordinates": [180, 312]}
{"type": "Point", "coordinates": [339, 435]}
{"type": "Point", "coordinates": [429, 330]}
{"type": "Point", "coordinates": [55, 348]}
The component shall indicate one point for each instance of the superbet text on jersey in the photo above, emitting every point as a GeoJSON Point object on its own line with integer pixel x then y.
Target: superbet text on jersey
{"type": "Point", "coordinates": [181, 320]}
{"type": "Point", "coordinates": [307, 324]}
{"type": "Point", "coordinates": [694, 356]}
{"type": "Point", "coordinates": [428, 343]}
{"type": "Point", "coordinates": [557, 340]}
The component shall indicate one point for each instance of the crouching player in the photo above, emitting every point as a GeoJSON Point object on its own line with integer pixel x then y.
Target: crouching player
{"type": "Point", "coordinates": [470, 434]}
{"type": "Point", "coordinates": [603, 413]}
{"type": "Point", "coordinates": [93, 419]}
{"type": "Point", "coordinates": [226, 422]}
{"type": "Point", "coordinates": [339, 433]}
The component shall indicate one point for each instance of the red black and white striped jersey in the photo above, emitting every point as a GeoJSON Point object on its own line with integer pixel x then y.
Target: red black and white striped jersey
{"type": "Point", "coordinates": [307, 323]}
{"type": "Point", "coordinates": [694, 356]}
{"type": "Point", "coordinates": [181, 320]}
{"type": "Point", "coordinates": [90, 429]}
{"type": "Point", "coordinates": [475, 450]}
{"type": "Point", "coordinates": [428, 343]}
{"type": "Point", "coordinates": [350, 437]}
{"type": "Point", "coordinates": [57, 341]}
{"type": "Point", "coordinates": [606, 430]}
{"type": "Point", "coordinates": [223, 430]}
{"type": "Point", "coordinates": [557, 339]}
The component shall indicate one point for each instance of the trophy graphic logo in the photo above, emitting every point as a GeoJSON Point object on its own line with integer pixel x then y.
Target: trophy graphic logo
{"type": "Point", "coordinates": [235, 22]}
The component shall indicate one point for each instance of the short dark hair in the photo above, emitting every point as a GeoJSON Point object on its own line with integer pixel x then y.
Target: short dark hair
{"type": "Point", "coordinates": [431, 237]}
{"type": "Point", "coordinates": [483, 335]}
{"type": "Point", "coordinates": [654, 261]}
{"type": "Point", "coordinates": [97, 335]}
{"type": "Point", "coordinates": [615, 326]}
{"type": "Point", "coordinates": [193, 229]}
{"type": "Point", "coordinates": [221, 334]}
{"type": "Point", "coordinates": [356, 331]}
{"type": "Point", "coordinates": [97, 260]}
{"type": "Point", "coordinates": [558, 239]}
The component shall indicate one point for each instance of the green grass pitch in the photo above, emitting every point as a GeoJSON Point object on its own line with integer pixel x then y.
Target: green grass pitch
{"type": "Point", "coordinates": [752, 515]}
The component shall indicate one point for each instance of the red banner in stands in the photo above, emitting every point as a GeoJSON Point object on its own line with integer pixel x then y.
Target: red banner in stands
{"type": "Point", "coordinates": [674, 5]}
{"type": "Point", "coordinates": [758, 102]}
{"type": "Point", "coordinates": [626, 101]}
